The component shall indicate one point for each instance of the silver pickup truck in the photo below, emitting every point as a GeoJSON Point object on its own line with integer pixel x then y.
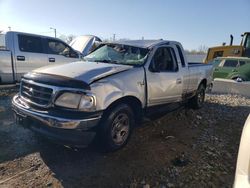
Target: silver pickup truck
{"type": "Point", "coordinates": [23, 52]}
{"type": "Point", "coordinates": [110, 91]}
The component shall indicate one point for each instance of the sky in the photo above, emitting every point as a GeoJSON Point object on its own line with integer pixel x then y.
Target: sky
{"type": "Point", "coordinates": [191, 22]}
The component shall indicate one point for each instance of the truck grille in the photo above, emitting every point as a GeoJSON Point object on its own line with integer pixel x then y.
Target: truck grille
{"type": "Point", "coordinates": [36, 94]}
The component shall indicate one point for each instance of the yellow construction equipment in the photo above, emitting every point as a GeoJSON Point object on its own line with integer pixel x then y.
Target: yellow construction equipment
{"type": "Point", "coordinates": [242, 50]}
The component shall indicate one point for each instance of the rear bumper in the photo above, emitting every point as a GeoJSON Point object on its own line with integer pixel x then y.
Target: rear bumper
{"type": "Point", "coordinates": [77, 131]}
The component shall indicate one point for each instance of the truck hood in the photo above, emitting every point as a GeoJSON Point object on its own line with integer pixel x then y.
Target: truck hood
{"type": "Point", "coordinates": [83, 71]}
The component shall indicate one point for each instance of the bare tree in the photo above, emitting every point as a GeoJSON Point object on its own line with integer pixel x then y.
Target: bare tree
{"type": "Point", "coordinates": [202, 49]}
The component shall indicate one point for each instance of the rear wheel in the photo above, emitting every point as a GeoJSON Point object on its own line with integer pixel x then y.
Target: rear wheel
{"type": "Point", "coordinates": [116, 127]}
{"type": "Point", "coordinates": [198, 100]}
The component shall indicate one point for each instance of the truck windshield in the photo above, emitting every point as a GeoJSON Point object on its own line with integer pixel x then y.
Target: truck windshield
{"type": "Point", "coordinates": [118, 54]}
{"type": "Point", "coordinates": [2, 42]}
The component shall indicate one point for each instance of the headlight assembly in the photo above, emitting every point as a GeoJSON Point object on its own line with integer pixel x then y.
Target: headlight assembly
{"type": "Point", "coordinates": [83, 102]}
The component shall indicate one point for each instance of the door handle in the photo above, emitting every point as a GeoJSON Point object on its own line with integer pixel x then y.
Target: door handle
{"type": "Point", "coordinates": [51, 59]}
{"type": "Point", "coordinates": [178, 81]}
{"type": "Point", "coordinates": [20, 58]}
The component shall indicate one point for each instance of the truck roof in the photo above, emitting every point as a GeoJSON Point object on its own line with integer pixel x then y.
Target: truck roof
{"type": "Point", "coordinates": [31, 34]}
{"type": "Point", "coordinates": [143, 43]}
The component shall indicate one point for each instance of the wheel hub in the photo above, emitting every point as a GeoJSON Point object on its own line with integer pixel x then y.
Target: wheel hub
{"type": "Point", "coordinates": [120, 129]}
{"type": "Point", "coordinates": [201, 97]}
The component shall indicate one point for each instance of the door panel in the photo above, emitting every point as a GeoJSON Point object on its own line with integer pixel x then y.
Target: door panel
{"type": "Point", "coordinates": [165, 83]}
{"type": "Point", "coordinates": [164, 88]}
{"type": "Point", "coordinates": [29, 54]}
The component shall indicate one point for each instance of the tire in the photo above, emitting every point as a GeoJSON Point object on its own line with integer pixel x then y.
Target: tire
{"type": "Point", "coordinates": [198, 100]}
{"type": "Point", "coordinates": [116, 127]}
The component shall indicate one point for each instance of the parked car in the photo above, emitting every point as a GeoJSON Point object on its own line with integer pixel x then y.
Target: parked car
{"type": "Point", "coordinates": [236, 68]}
{"type": "Point", "coordinates": [22, 52]}
{"type": "Point", "coordinates": [242, 174]}
{"type": "Point", "coordinates": [110, 91]}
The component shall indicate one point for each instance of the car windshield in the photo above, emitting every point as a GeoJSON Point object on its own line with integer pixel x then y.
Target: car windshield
{"type": "Point", "coordinates": [118, 54]}
{"type": "Point", "coordinates": [216, 62]}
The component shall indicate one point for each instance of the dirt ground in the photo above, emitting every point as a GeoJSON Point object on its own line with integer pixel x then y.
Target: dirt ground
{"type": "Point", "coordinates": [182, 149]}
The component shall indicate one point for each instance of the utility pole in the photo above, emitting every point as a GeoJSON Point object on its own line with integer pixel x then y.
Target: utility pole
{"type": "Point", "coordinates": [113, 37]}
{"type": "Point", "coordinates": [54, 30]}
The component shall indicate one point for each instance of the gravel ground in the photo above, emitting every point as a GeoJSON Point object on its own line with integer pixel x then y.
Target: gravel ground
{"type": "Point", "coordinates": [185, 148]}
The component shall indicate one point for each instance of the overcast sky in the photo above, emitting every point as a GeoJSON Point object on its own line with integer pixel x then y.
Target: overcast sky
{"type": "Point", "coordinates": [192, 22]}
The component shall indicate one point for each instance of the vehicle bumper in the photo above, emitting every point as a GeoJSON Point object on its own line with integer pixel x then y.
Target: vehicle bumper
{"type": "Point", "coordinates": [78, 131]}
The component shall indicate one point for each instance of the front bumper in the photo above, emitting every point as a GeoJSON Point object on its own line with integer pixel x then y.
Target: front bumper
{"type": "Point", "coordinates": [76, 131]}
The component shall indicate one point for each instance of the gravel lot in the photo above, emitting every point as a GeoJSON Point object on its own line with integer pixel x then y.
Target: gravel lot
{"type": "Point", "coordinates": [182, 149]}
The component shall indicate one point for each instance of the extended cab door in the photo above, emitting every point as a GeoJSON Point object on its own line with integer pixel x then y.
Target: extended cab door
{"type": "Point", "coordinates": [29, 54]}
{"type": "Point", "coordinates": [60, 52]}
{"type": "Point", "coordinates": [164, 80]}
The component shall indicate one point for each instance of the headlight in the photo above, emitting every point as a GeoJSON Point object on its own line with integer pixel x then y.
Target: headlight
{"type": "Point", "coordinates": [76, 101]}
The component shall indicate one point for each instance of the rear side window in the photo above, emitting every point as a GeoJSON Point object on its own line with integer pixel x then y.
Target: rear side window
{"type": "Point", "coordinates": [230, 63]}
{"type": "Point", "coordinates": [30, 44]}
{"type": "Point", "coordinates": [181, 56]}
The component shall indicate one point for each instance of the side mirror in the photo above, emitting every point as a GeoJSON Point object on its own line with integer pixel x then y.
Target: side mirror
{"type": "Point", "coordinates": [73, 54]}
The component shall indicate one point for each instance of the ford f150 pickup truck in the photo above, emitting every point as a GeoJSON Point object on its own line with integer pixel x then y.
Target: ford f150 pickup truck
{"type": "Point", "coordinates": [109, 92]}
{"type": "Point", "coordinates": [22, 52]}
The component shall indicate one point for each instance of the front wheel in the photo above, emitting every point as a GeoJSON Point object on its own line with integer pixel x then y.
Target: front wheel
{"type": "Point", "coordinates": [116, 127]}
{"type": "Point", "coordinates": [198, 100]}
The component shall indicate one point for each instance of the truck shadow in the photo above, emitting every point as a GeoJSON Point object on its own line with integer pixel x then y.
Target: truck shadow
{"type": "Point", "coordinates": [152, 146]}
{"type": "Point", "coordinates": [146, 151]}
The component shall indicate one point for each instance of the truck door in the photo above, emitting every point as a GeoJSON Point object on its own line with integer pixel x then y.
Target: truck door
{"type": "Point", "coordinates": [164, 80]}
{"type": "Point", "coordinates": [29, 54]}
{"type": "Point", "coordinates": [60, 52]}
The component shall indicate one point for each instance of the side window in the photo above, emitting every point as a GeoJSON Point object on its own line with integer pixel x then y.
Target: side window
{"type": "Point", "coordinates": [30, 44]}
{"type": "Point", "coordinates": [181, 55]}
{"type": "Point", "coordinates": [242, 63]}
{"type": "Point", "coordinates": [57, 47]}
{"type": "Point", "coordinates": [230, 63]}
{"type": "Point", "coordinates": [218, 54]}
{"type": "Point", "coordinates": [164, 60]}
